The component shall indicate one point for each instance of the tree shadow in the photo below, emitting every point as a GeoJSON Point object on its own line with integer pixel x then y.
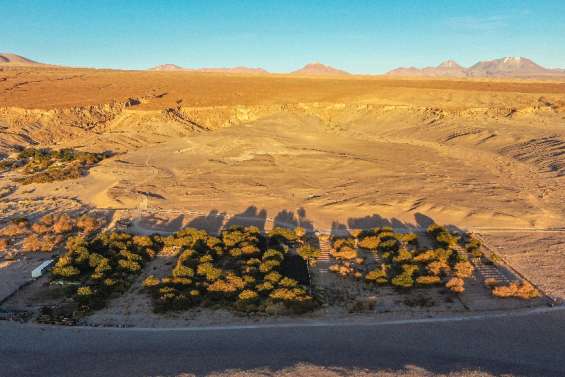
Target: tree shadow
{"type": "Point", "coordinates": [303, 220]}
{"type": "Point", "coordinates": [250, 217]}
{"type": "Point", "coordinates": [367, 222]}
{"type": "Point", "coordinates": [339, 230]}
{"type": "Point", "coordinates": [212, 222]}
{"type": "Point", "coordinates": [285, 219]}
{"type": "Point", "coordinates": [161, 225]}
{"type": "Point", "coordinates": [423, 221]}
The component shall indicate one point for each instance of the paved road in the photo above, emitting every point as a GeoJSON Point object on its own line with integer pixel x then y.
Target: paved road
{"type": "Point", "coordinates": [532, 345]}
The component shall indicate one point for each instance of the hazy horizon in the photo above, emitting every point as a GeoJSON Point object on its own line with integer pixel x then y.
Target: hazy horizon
{"type": "Point", "coordinates": [362, 37]}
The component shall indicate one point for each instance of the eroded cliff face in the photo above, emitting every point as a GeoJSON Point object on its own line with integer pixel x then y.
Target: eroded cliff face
{"type": "Point", "coordinates": [24, 127]}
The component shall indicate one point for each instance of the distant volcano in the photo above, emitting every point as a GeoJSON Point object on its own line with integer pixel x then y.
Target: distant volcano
{"type": "Point", "coordinates": [317, 68]}
{"type": "Point", "coordinates": [503, 67]}
{"type": "Point", "coordinates": [509, 66]}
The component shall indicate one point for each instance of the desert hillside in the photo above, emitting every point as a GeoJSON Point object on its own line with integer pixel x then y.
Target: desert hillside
{"type": "Point", "coordinates": [7, 59]}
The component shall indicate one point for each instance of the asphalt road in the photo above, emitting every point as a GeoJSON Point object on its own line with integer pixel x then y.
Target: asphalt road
{"type": "Point", "coordinates": [531, 345]}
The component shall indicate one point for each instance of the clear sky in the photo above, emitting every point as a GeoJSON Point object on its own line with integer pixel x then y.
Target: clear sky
{"type": "Point", "coordinates": [282, 35]}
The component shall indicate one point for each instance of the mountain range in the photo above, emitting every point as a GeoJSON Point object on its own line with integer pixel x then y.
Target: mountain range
{"type": "Point", "coordinates": [503, 67]}
{"type": "Point", "coordinates": [311, 69]}
{"type": "Point", "coordinates": [174, 67]}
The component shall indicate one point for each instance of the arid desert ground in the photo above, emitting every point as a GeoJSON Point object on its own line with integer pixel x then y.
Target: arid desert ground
{"type": "Point", "coordinates": [209, 149]}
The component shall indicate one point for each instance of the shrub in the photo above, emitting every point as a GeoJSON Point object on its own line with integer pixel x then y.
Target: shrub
{"type": "Point", "coordinates": [236, 252]}
{"type": "Point", "coordinates": [265, 286]}
{"type": "Point", "coordinates": [334, 268]}
{"type": "Point", "coordinates": [490, 282]}
{"type": "Point", "coordinates": [250, 250]}
{"type": "Point", "coordinates": [248, 295]}
{"type": "Point", "coordinates": [40, 228]}
{"type": "Point", "coordinates": [377, 276]}
{"type": "Point", "coordinates": [236, 281]}
{"type": "Point", "coordinates": [222, 287]}
{"type": "Point", "coordinates": [96, 259]}
{"type": "Point", "coordinates": [473, 244]}
{"type": "Point", "coordinates": [182, 271]}
{"type": "Point", "coordinates": [66, 271]}
{"type": "Point", "coordinates": [425, 256]}
{"type": "Point", "coordinates": [206, 259]}
{"type": "Point", "coordinates": [4, 243]}
{"type": "Point", "coordinates": [369, 243]}
{"type": "Point", "coordinates": [435, 229]}
{"type": "Point", "coordinates": [249, 280]}
{"type": "Point", "coordinates": [273, 277]}
{"type": "Point", "coordinates": [338, 243]}
{"type": "Point", "coordinates": [142, 241]}
{"type": "Point", "coordinates": [402, 256]}
{"type": "Point", "coordinates": [389, 245]}
{"type": "Point", "coordinates": [15, 229]}
{"type": "Point", "coordinates": [524, 291]}
{"type": "Point", "coordinates": [87, 224]}
{"type": "Point", "coordinates": [456, 285]}
{"type": "Point", "coordinates": [410, 238]}
{"type": "Point", "coordinates": [288, 282]}
{"type": "Point", "coordinates": [463, 270]}
{"type": "Point", "coordinates": [447, 240]}
{"type": "Point", "coordinates": [273, 254]}
{"type": "Point", "coordinates": [269, 265]}
{"type": "Point", "coordinates": [345, 252]}
{"type": "Point", "coordinates": [437, 267]}
{"type": "Point", "coordinates": [84, 292]}
{"type": "Point", "coordinates": [428, 280]}
{"type": "Point", "coordinates": [289, 295]}
{"type": "Point", "coordinates": [282, 235]}
{"type": "Point", "coordinates": [129, 265]}
{"type": "Point", "coordinates": [253, 262]}
{"type": "Point", "coordinates": [299, 231]}
{"type": "Point", "coordinates": [308, 252]}
{"type": "Point", "coordinates": [33, 243]}
{"type": "Point", "coordinates": [403, 280]}
{"type": "Point", "coordinates": [63, 224]}
{"type": "Point", "coordinates": [209, 271]}
{"type": "Point", "coordinates": [409, 269]}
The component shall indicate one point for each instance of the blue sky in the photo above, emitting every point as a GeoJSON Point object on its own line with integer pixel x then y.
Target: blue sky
{"type": "Point", "coordinates": [359, 36]}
